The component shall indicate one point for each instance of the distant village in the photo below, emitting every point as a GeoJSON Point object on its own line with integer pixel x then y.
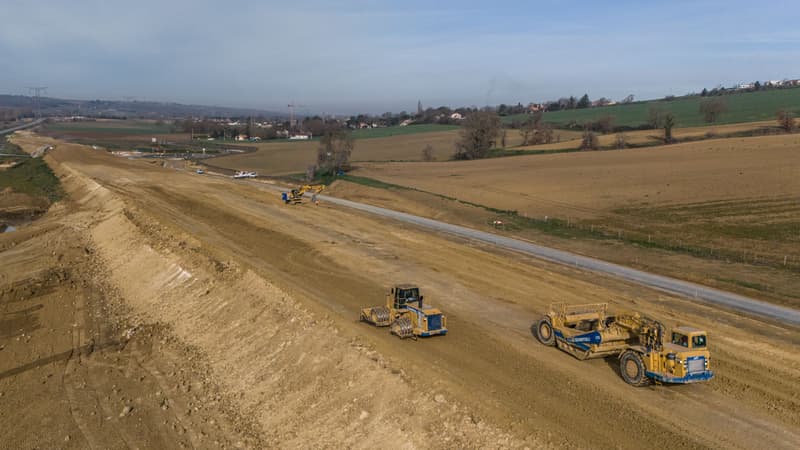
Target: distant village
{"type": "Point", "coordinates": [291, 127]}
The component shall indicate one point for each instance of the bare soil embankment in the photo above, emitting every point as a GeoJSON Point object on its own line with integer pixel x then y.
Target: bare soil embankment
{"type": "Point", "coordinates": [77, 370]}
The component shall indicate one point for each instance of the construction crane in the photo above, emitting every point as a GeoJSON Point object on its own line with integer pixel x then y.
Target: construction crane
{"type": "Point", "coordinates": [295, 196]}
{"type": "Point", "coordinates": [587, 331]}
{"type": "Point", "coordinates": [291, 107]}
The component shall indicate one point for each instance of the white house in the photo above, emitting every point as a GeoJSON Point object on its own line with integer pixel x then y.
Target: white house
{"type": "Point", "coordinates": [456, 116]}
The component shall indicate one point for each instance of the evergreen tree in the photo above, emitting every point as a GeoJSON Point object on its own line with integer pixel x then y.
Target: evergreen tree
{"type": "Point", "coordinates": [584, 102]}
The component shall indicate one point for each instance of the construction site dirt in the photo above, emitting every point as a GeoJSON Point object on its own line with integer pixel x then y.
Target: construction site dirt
{"type": "Point", "coordinates": [156, 307]}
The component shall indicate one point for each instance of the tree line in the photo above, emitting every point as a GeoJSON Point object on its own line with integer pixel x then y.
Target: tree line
{"type": "Point", "coordinates": [483, 130]}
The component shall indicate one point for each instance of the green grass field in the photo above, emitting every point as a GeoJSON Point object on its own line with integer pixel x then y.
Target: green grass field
{"type": "Point", "coordinates": [116, 127]}
{"type": "Point", "coordinates": [31, 176]}
{"type": "Point", "coordinates": [744, 107]}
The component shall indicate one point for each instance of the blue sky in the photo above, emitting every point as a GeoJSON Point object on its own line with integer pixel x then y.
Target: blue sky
{"type": "Point", "coordinates": [351, 56]}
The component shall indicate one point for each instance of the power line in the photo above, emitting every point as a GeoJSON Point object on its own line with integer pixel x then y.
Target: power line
{"type": "Point", "coordinates": [37, 92]}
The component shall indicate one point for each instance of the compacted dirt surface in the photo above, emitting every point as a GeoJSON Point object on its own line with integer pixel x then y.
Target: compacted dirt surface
{"type": "Point", "coordinates": [157, 308]}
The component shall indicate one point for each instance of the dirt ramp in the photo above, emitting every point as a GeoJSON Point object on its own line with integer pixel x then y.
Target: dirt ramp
{"type": "Point", "coordinates": [289, 370]}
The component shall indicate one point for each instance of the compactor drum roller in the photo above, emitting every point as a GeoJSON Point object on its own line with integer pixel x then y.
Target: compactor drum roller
{"type": "Point", "coordinates": [587, 331]}
{"type": "Point", "coordinates": [406, 315]}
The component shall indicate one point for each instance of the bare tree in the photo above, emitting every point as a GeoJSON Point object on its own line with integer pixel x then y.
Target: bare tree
{"type": "Point", "coordinates": [544, 134]}
{"type": "Point", "coordinates": [525, 131]}
{"type": "Point", "coordinates": [590, 140]}
{"type": "Point", "coordinates": [335, 147]}
{"type": "Point", "coordinates": [621, 141]}
{"type": "Point", "coordinates": [786, 120]}
{"type": "Point", "coordinates": [311, 172]}
{"type": "Point", "coordinates": [528, 128]}
{"type": "Point", "coordinates": [712, 108]}
{"type": "Point", "coordinates": [503, 138]}
{"type": "Point", "coordinates": [315, 126]}
{"type": "Point", "coordinates": [478, 133]}
{"type": "Point", "coordinates": [669, 123]}
{"type": "Point", "coordinates": [606, 124]}
{"type": "Point", "coordinates": [427, 153]}
{"type": "Point", "coordinates": [655, 117]}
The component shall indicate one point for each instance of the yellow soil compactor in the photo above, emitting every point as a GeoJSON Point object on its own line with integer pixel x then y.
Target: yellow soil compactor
{"type": "Point", "coordinates": [405, 313]}
{"type": "Point", "coordinates": [586, 331]}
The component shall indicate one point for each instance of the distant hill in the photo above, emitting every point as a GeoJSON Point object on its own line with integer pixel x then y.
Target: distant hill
{"type": "Point", "coordinates": [131, 109]}
{"type": "Point", "coordinates": [742, 107]}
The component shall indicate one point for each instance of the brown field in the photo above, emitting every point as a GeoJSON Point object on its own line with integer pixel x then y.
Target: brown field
{"type": "Point", "coordinates": [589, 184]}
{"type": "Point", "coordinates": [281, 158]}
{"type": "Point", "coordinates": [224, 318]}
{"type": "Point", "coordinates": [293, 157]}
{"type": "Point", "coordinates": [736, 200]}
{"type": "Point", "coordinates": [656, 137]}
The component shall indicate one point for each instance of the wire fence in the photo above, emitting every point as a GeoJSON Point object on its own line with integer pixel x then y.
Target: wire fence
{"type": "Point", "coordinates": [569, 227]}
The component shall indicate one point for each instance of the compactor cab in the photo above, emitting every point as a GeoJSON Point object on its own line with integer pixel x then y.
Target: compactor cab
{"type": "Point", "coordinates": [405, 313]}
{"type": "Point", "coordinates": [402, 295]}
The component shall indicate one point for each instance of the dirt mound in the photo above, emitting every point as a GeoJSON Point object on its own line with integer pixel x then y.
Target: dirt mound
{"type": "Point", "coordinates": [74, 364]}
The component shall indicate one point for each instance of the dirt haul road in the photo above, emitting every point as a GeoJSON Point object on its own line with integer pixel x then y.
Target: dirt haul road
{"type": "Point", "coordinates": [698, 292]}
{"type": "Point", "coordinates": [268, 295]}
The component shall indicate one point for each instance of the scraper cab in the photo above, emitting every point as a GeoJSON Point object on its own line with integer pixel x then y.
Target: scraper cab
{"type": "Point", "coordinates": [406, 314]}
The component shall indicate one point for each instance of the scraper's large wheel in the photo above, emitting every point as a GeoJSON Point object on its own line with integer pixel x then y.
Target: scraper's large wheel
{"type": "Point", "coordinates": [632, 369]}
{"type": "Point", "coordinates": [543, 329]}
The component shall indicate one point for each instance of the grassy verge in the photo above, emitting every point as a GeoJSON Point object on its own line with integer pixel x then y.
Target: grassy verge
{"type": "Point", "coordinates": [30, 176]}
{"type": "Point", "coordinates": [121, 128]}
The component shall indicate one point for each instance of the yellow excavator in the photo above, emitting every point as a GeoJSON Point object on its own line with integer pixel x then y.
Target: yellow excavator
{"type": "Point", "coordinates": [295, 196]}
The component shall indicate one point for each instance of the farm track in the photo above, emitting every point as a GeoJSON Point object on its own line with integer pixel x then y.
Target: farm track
{"type": "Point", "coordinates": [268, 296]}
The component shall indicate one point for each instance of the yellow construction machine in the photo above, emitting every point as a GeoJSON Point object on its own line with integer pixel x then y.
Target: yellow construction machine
{"type": "Point", "coordinates": [587, 331]}
{"type": "Point", "coordinates": [405, 313]}
{"type": "Point", "coordinates": [295, 196]}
